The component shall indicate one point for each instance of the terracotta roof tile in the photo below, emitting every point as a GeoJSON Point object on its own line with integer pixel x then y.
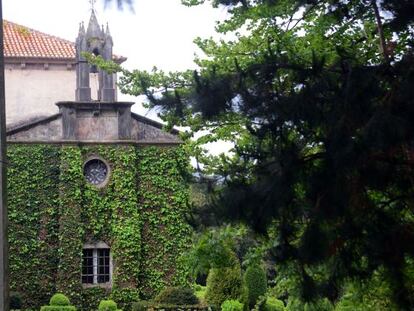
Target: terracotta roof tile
{"type": "Point", "coordinates": [20, 41]}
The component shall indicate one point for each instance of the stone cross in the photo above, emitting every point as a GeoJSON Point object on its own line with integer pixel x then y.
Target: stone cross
{"type": "Point", "coordinates": [92, 2]}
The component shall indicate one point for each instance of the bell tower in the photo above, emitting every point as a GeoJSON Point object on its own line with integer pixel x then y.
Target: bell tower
{"type": "Point", "coordinates": [98, 41]}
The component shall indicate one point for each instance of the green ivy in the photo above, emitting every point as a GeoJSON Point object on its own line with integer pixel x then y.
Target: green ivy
{"type": "Point", "coordinates": [33, 200]}
{"type": "Point", "coordinates": [162, 195]}
{"type": "Point", "coordinates": [53, 211]}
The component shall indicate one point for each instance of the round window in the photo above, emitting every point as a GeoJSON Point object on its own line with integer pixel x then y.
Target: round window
{"type": "Point", "coordinates": [95, 171]}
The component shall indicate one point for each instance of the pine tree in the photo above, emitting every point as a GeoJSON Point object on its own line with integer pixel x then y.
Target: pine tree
{"type": "Point", "coordinates": [317, 97]}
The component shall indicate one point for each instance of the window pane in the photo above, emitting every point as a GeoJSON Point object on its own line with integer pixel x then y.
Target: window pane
{"type": "Point", "coordinates": [103, 265]}
{"type": "Point", "coordinates": [87, 266]}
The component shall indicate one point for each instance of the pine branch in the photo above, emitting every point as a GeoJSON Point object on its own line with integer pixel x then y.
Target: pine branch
{"type": "Point", "coordinates": [380, 28]}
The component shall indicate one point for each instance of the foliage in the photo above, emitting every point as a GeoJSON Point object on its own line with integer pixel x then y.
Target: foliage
{"type": "Point", "coordinates": [33, 181]}
{"type": "Point", "coordinates": [232, 305]}
{"type": "Point", "coordinates": [59, 299]}
{"type": "Point", "coordinates": [255, 281]}
{"type": "Point", "coordinates": [58, 302]}
{"type": "Point", "coordinates": [274, 304]}
{"type": "Point", "coordinates": [319, 305]}
{"type": "Point", "coordinates": [91, 297]}
{"type": "Point", "coordinates": [176, 296]}
{"type": "Point", "coordinates": [370, 295]}
{"type": "Point", "coordinates": [200, 292]}
{"type": "Point", "coordinates": [107, 305]}
{"type": "Point", "coordinates": [15, 300]}
{"type": "Point", "coordinates": [220, 247]}
{"type": "Point", "coordinates": [223, 284]}
{"type": "Point", "coordinates": [316, 98]}
{"type": "Point", "coordinates": [166, 235]}
{"type": "Point", "coordinates": [57, 308]}
{"type": "Point", "coordinates": [53, 211]}
{"type": "Point", "coordinates": [147, 305]}
{"type": "Point", "coordinates": [140, 305]}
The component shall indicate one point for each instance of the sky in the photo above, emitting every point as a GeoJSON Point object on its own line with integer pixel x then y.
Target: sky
{"type": "Point", "coordinates": [158, 33]}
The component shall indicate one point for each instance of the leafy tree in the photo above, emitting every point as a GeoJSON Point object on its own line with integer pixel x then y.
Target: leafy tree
{"type": "Point", "coordinates": [317, 98]}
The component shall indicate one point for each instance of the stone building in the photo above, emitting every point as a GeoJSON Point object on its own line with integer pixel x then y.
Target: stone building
{"type": "Point", "coordinates": [39, 71]}
{"type": "Point", "coordinates": [97, 196]}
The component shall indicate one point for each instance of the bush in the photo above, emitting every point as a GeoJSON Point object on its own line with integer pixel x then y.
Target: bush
{"type": "Point", "coordinates": [15, 300]}
{"type": "Point", "coordinates": [223, 284]}
{"type": "Point", "coordinates": [107, 305]}
{"type": "Point", "coordinates": [140, 305]}
{"type": "Point", "coordinates": [59, 300]}
{"type": "Point", "coordinates": [231, 305]}
{"type": "Point", "coordinates": [200, 292]}
{"type": "Point", "coordinates": [255, 282]}
{"type": "Point", "coordinates": [58, 308]}
{"type": "Point", "coordinates": [177, 296]}
{"type": "Point", "coordinates": [274, 304]}
{"type": "Point", "coordinates": [319, 305]}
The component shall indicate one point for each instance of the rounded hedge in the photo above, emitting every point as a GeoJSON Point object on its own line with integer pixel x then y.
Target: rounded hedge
{"type": "Point", "coordinates": [107, 305]}
{"type": "Point", "coordinates": [177, 296]}
{"type": "Point", "coordinates": [255, 282]}
{"type": "Point", "coordinates": [59, 300]}
{"type": "Point", "coordinates": [223, 284]}
{"type": "Point", "coordinates": [274, 304]}
{"type": "Point", "coordinates": [232, 305]}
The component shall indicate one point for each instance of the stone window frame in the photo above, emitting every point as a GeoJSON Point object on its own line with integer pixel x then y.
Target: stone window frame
{"type": "Point", "coordinates": [108, 168]}
{"type": "Point", "coordinates": [95, 246]}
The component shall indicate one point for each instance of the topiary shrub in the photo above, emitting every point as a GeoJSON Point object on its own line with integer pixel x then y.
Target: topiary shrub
{"type": "Point", "coordinates": [232, 305]}
{"type": "Point", "coordinates": [319, 305]}
{"type": "Point", "coordinates": [140, 305]}
{"type": "Point", "coordinates": [223, 284]}
{"type": "Point", "coordinates": [107, 305]}
{"type": "Point", "coordinates": [58, 302]}
{"type": "Point", "coordinates": [58, 308]}
{"type": "Point", "coordinates": [200, 292]}
{"type": "Point", "coordinates": [274, 304]}
{"type": "Point", "coordinates": [16, 300]}
{"type": "Point", "coordinates": [177, 296]}
{"type": "Point", "coordinates": [255, 282]}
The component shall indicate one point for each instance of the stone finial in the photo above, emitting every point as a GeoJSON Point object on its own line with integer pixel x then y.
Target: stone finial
{"type": "Point", "coordinates": [107, 32]}
{"type": "Point", "coordinates": [81, 29]}
{"type": "Point", "coordinates": [94, 30]}
{"type": "Point", "coordinates": [98, 42]}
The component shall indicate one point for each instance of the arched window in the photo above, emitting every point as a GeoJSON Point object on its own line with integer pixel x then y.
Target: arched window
{"type": "Point", "coordinates": [96, 264]}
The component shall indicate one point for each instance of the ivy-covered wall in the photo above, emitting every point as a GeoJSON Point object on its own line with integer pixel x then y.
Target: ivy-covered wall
{"type": "Point", "coordinates": [53, 211]}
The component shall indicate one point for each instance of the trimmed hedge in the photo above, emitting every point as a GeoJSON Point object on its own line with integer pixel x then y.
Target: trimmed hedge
{"type": "Point", "coordinates": [58, 308]}
{"type": "Point", "coordinates": [255, 282]}
{"type": "Point", "coordinates": [59, 300]}
{"type": "Point", "coordinates": [107, 305]}
{"type": "Point", "coordinates": [232, 305]}
{"type": "Point", "coordinates": [146, 305]}
{"type": "Point", "coordinates": [177, 296]}
{"type": "Point", "coordinates": [223, 284]}
{"type": "Point", "coordinates": [274, 304]}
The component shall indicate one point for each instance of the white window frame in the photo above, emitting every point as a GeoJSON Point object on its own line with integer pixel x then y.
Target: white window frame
{"type": "Point", "coordinates": [94, 247]}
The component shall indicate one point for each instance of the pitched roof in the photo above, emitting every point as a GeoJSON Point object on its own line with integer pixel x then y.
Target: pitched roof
{"type": "Point", "coordinates": [21, 41]}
